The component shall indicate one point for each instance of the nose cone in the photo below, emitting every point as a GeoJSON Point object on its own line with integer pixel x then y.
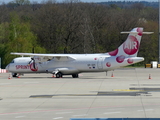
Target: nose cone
{"type": "Point", "coordinates": [7, 67]}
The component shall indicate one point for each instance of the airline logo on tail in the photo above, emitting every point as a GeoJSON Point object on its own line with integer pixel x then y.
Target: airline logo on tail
{"type": "Point", "coordinates": [131, 46]}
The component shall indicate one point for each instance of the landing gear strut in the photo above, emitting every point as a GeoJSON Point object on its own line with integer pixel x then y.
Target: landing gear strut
{"type": "Point", "coordinates": [59, 75]}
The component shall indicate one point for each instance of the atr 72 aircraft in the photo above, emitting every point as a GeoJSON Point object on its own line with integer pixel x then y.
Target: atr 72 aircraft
{"type": "Point", "coordinates": [73, 64]}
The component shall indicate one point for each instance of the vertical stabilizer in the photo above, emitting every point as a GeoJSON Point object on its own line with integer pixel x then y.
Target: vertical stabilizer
{"type": "Point", "coordinates": [131, 46]}
{"type": "Point", "coordinates": [126, 53]}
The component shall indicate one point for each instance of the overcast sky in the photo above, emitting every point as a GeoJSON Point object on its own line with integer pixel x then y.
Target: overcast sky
{"type": "Point", "coordinates": [39, 1]}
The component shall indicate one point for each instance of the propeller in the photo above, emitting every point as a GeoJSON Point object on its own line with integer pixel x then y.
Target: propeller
{"type": "Point", "coordinates": [32, 61]}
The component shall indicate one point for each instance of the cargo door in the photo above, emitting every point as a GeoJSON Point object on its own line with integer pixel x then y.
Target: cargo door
{"type": "Point", "coordinates": [100, 63]}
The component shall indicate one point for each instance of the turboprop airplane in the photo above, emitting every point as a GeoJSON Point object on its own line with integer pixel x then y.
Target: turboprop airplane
{"type": "Point", "coordinates": [73, 64]}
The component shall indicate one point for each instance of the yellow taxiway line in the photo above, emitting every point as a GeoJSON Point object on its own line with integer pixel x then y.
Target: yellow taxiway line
{"type": "Point", "coordinates": [126, 90]}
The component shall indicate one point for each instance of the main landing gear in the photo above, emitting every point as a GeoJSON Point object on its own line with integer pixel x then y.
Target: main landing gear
{"type": "Point", "coordinates": [60, 75]}
{"type": "Point", "coordinates": [75, 75]}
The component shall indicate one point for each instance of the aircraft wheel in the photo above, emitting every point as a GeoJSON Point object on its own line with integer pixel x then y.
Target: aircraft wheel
{"type": "Point", "coordinates": [75, 75]}
{"type": "Point", "coordinates": [59, 75]}
{"type": "Point", "coordinates": [14, 74]}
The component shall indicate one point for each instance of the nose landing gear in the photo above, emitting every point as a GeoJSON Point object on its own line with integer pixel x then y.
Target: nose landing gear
{"type": "Point", "coordinates": [14, 74]}
{"type": "Point", "coordinates": [58, 74]}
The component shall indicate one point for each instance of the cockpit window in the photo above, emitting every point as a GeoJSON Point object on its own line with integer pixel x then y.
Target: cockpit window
{"type": "Point", "coordinates": [12, 61]}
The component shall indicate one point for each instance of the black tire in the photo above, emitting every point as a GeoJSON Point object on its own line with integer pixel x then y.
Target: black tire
{"type": "Point", "coordinates": [59, 75]}
{"type": "Point", "coordinates": [75, 75]}
{"type": "Point", "coordinates": [14, 74]}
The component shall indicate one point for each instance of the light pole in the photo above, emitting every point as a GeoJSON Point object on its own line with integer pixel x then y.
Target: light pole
{"type": "Point", "coordinates": [159, 36]}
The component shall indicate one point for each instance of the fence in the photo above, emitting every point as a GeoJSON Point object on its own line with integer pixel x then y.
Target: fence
{"type": "Point", "coordinates": [3, 71]}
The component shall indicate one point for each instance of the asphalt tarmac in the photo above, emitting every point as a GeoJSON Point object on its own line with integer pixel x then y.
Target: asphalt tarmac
{"type": "Point", "coordinates": [123, 93]}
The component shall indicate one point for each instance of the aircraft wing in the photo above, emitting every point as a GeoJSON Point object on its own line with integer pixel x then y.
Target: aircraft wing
{"type": "Point", "coordinates": [47, 57]}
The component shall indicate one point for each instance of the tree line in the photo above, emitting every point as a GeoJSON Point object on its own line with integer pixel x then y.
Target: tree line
{"type": "Point", "coordinates": [127, 4]}
{"type": "Point", "coordinates": [73, 27]}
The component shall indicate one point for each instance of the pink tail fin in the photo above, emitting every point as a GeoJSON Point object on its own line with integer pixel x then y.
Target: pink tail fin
{"type": "Point", "coordinates": [131, 46]}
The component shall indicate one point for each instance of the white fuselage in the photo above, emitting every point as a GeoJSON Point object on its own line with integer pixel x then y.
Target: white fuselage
{"type": "Point", "coordinates": [81, 63]}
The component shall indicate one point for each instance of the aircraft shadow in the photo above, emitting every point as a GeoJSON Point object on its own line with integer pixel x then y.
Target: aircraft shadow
{"type": "Point", "coordinates": [104, 93]}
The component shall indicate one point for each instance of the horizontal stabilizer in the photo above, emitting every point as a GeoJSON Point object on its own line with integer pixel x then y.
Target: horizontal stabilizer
{"type": "Point", "coordinates": [136, 32]}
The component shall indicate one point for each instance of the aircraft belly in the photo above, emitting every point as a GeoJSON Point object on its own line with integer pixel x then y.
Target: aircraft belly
{"type": "Point", "coordinates": [69, 71]}
{"type": "Point", "coordinates": [87, 65]}
{"type": "Point", "coordinates": [65, 67]}
{"type": "Point", "coordinates": [72, 67]}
